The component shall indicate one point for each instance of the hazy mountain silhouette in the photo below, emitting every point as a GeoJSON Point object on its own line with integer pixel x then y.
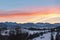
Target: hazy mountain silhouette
{"type": "Point", "coordinates": [14, 24]}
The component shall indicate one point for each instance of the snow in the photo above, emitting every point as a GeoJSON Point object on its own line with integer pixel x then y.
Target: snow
{"type": "Point", "coordinates": [54, 35]}
{"type": "Point", "coordinates": [46, 36]}
{"type": "Point", "coordinates": [3, 32]}
{"type": "Point", "coordinates": [30, 31]}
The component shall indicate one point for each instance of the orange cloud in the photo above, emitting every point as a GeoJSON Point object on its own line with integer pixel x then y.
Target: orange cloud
{"type": "Point", "coordinates": [38, 15]}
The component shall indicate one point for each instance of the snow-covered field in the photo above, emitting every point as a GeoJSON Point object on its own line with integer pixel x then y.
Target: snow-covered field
{"type": "Point", "coordinates": [31, 32]}
{"type": "Point", "coordinates": [46, 36]}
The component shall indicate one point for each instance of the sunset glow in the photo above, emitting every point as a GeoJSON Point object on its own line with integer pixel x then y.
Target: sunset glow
{"type": "Point", "coordinates": [45, 15]}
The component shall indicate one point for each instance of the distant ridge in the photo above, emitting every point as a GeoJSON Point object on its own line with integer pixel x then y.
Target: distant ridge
{"type": "Point", "coordinates": [24, 25]}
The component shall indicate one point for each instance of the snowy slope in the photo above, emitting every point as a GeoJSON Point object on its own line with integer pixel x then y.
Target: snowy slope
{"type": "Point", "coordinates": [45, 37]}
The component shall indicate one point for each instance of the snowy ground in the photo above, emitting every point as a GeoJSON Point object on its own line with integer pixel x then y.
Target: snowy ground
{"type": "Point", "coordinates": [32, 31]}
{"type": "Point", "coordinates": [46, 36]}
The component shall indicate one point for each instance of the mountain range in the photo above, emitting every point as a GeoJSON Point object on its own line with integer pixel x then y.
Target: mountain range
{"type": "Point", "coordinates": [24, 25]}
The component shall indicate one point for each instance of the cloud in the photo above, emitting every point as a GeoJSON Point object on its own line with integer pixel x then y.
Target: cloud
{"type": "Point", "coordinates": [31, 10]}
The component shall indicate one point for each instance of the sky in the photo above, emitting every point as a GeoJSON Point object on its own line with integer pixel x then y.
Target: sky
{"type": "Point", "coordinates": [13, 4]}
{"type": "Point", "coordinates": [23, 11]}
